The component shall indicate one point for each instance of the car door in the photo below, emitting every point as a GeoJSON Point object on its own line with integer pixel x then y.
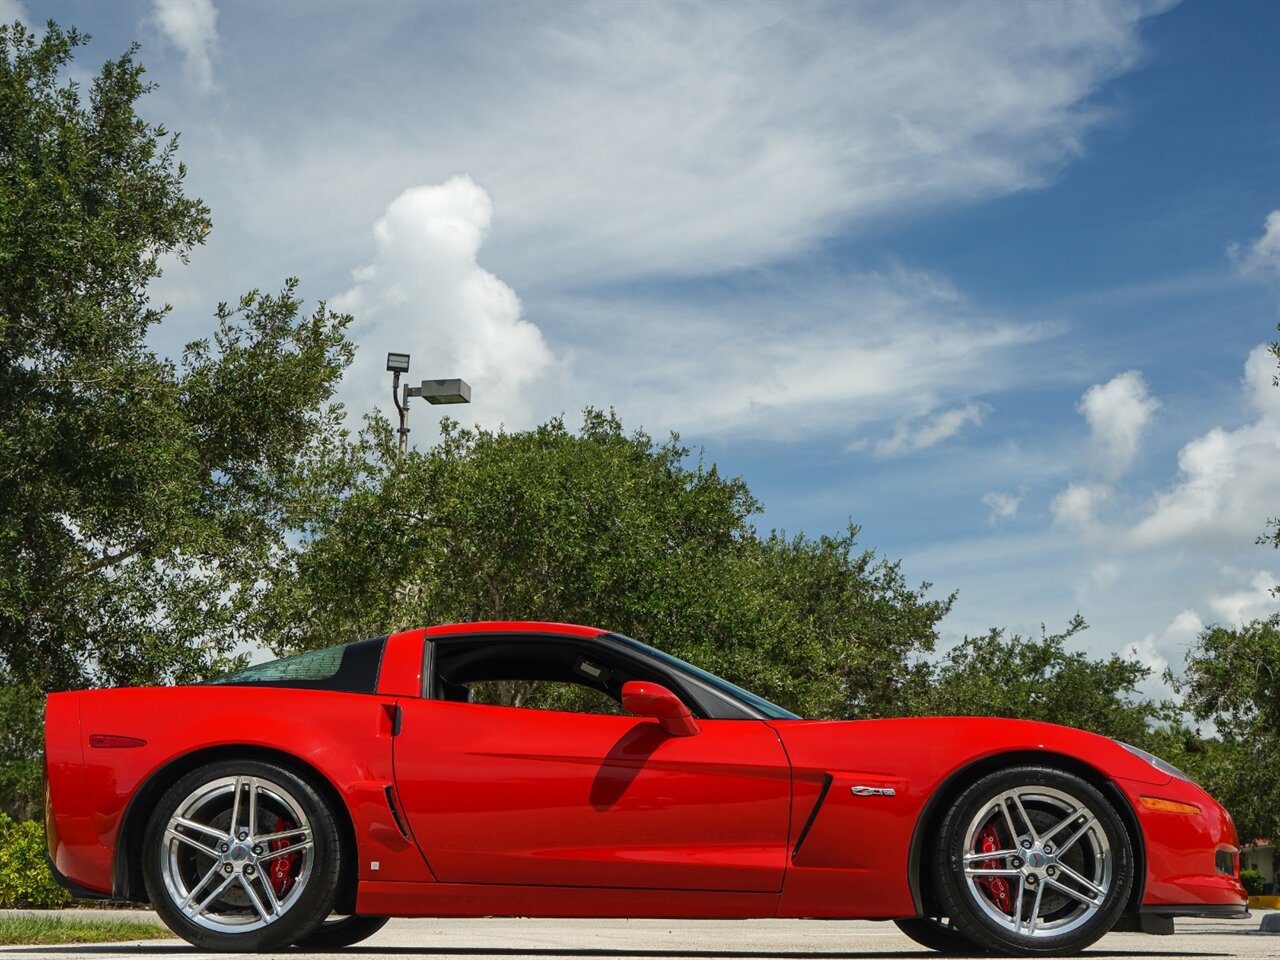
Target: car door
{"type": "Point", "coordinates": [507, 795]}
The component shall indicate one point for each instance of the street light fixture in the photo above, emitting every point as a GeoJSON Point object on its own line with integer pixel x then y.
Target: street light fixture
{"type": "Point", "coordinates": [433, 391]}
{"type": "Point", "coordinates": [445, 391]}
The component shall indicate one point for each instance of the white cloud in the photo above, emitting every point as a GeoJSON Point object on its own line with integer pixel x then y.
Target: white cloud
{"type": "Point", "coordinates": [11, 10]}
{"type": "Point", "coordinates": [910, 437]}
{"type": "Point", "coordinates": [1077, 507]}
{"type": "Point", "coordinates": [425, 293]}
{"type": "Point", "coordinates": [1162, 652]}
{"type": "Point", "coordinates": [1118, 412]}
{"type": "Point", "coordinates": [1237, 607]}
{"type": "Point", "coordinates": [631, 146]}
{"type": "Point", "coordinates": [1003, 505]}
{"type": "Point", "coordinates": [1105, 574]}
{"type": "Point", "coordinates": [836, 355]}
{"type": "Point", "coordinates": [670, 139]}
{"type": "Point", "coordinates": [1229, 480]}
{"type": "Point", "coordinates": [192, 27]}
{"type": "Point", "coordinates": [1262, 257]}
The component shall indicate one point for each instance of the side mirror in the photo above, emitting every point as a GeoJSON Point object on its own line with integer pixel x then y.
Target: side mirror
{"type": "Point", "coordinates": [647, 699]}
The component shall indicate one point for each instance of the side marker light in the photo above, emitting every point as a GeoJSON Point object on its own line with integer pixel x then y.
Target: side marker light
{"type": "Point", "coordinates": [110, 740]}
{"type": "Point", "coordinates": [1168, 806]}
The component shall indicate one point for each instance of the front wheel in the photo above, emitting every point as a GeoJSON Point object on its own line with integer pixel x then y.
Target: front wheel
{"type": "Point", "coordinates": [339, 932]}
{"type": "Point", "coordinates": [242, 856]}
{"type": "Point", "coordinates": [1034, 861]}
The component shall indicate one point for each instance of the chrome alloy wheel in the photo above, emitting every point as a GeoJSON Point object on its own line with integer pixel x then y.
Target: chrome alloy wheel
{"type": "Point", "coordinates": [225, 854]}
{"type": "Point", "coordinates": [1037, 861]}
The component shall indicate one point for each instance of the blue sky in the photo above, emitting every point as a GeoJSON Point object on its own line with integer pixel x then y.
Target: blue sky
{"type": "Point", "coordinates": [989, 280]}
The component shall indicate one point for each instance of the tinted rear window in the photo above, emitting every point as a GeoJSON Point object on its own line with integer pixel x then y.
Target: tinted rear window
{"type": "Point", "coordinates": [349, 668]}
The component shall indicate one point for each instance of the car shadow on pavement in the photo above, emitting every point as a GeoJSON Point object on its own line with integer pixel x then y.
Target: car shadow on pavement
{"type": "Point", "coordinates": [178, 950]}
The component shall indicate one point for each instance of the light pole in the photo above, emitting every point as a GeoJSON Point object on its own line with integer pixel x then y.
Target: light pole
{"type": "Point", "coordinates": [433, 391]}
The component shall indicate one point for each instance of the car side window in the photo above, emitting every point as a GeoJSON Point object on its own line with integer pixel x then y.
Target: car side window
{"type": "Point", "coordinates": [545, 695]}
{"type": "Point", "coordinates": [534, 673]}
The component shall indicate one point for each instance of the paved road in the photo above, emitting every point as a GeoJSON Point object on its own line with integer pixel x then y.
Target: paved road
{"type": "Point", "coordinates": [697, 940]}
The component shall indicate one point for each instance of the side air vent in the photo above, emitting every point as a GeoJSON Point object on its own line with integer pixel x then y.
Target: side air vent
{"type": "Point", "coordinates": [395, 812]}
{"type": "Point", "coordinates": [813, 814]}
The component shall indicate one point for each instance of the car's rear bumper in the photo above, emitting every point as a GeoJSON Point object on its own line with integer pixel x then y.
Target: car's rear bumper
{"type": "Point", "coordinates": [75, 889]}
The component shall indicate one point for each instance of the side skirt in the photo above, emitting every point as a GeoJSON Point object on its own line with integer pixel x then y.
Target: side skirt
{"type": "Point", "coordinates": [395, 899]}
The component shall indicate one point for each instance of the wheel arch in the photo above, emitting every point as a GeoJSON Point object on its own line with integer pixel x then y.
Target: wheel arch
{"type": "Point", "coordinates": [919, 857]}
{"type": "Point", "coordinates": [127, 882]}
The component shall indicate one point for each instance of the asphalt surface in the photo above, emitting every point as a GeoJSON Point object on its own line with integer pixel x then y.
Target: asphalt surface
{"type": "Point", "coordinates": [690, 940]}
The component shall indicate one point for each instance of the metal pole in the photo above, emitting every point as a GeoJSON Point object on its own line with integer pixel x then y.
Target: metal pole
{"type": "Point", "coordinates": [403, 408]}
{"type": "Point", "coordinates": [404, 421]}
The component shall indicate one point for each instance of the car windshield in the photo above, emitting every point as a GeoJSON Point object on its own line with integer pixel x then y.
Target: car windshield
{"type": "Point", "coordinates": [759, 704]}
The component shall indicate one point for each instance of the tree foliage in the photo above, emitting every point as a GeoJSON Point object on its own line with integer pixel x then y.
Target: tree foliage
{"type": "Point", "coordinates": [137, 494]}
{"type": "Point", "coordinates": [602, 527]}
{"type": "Point", "coordinates": [999, 675]}
{"type": "Point", "coordinates": [1232, 679]}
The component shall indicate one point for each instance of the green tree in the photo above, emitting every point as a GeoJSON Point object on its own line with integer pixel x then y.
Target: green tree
{"type": "Point", "coordinates": [599, 527]}
{"type": "Point", "coordinates": [996, 675]}
{"type": "Point", "coordinates": [137, 494]}
{"type": "Point", "coordinates": [1232, 678]}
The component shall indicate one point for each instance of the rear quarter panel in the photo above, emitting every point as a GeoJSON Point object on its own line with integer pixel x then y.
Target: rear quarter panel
{"type": "Point", "coordinates": [343, 738]}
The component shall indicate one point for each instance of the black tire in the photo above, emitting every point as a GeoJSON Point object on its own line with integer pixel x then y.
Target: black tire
{"type": "Point", "coordinates": [232, 903]}
{"type": "Point", "coordinates": [1065, 870]}
{"type": "Point", "coordinates": [940, 934]}
{"type": "Point", "coordinates": [338, 932]}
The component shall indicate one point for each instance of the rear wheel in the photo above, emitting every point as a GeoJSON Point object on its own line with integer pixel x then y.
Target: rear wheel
{"type": "Point", "coordinates": [938, 933]}
{"type": "Point", "coordinates": [242, 856]}
{"type": "Point", "coordinates": [1034, 861]}
{"type": "Point", "coordinates": [342, 932]}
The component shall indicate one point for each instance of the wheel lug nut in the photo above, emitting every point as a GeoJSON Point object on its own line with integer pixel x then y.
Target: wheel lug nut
{"type": "Point", "coordinates": [224, 847]}
{"type": "Point", "coordinates": [1031, 880]}
{"type": "Point", "coordinates": [1026, 844]}
{"type": "Point", "coordinates": [1051, 870]}
{"type": "Point", "coordinates": [228, 868]}
{"type": "Point", "coordinates": [248, 870]}
{"type": "Point", "coordinates": [1048, 848]}
{"type": "Point", "coordinates": [257, 849]}
{"type": "Point", "coordinates": [1017, 862]}
{"type": "Point", "coordinates": [244, 834]}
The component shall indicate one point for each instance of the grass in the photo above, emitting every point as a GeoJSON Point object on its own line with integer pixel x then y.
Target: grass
{"type": "Point", "coordinates": [31, 929]}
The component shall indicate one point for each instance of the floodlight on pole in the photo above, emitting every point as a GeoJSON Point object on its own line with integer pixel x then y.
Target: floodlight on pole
{"type": "Point", "coordinates": [433, 391]}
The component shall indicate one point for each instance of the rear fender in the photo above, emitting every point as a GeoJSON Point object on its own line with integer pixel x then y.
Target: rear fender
{"type": "Point", "coordinates": [339, 741]}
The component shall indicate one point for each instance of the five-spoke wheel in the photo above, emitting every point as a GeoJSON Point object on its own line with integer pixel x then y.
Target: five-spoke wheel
{"type": "Point", "coordinates": [1034, 861]}
{"type": "Point", "coordinates": [242, 856]}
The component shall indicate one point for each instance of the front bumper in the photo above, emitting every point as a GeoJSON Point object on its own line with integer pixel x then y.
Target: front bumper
{"type": "Point", "coordinates": [1183, 850]}
{"type": "Point", "coordinates": [1222, 911]}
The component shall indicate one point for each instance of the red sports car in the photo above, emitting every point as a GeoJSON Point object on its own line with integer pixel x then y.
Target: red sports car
{"type": "Point", "coordinates": [305, 800]}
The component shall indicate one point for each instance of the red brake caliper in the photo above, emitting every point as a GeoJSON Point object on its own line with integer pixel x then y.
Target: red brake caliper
{"type": "Point", "coordinates": [280, 870]}
{"type": "Point", "coordinates": [997, 887]}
